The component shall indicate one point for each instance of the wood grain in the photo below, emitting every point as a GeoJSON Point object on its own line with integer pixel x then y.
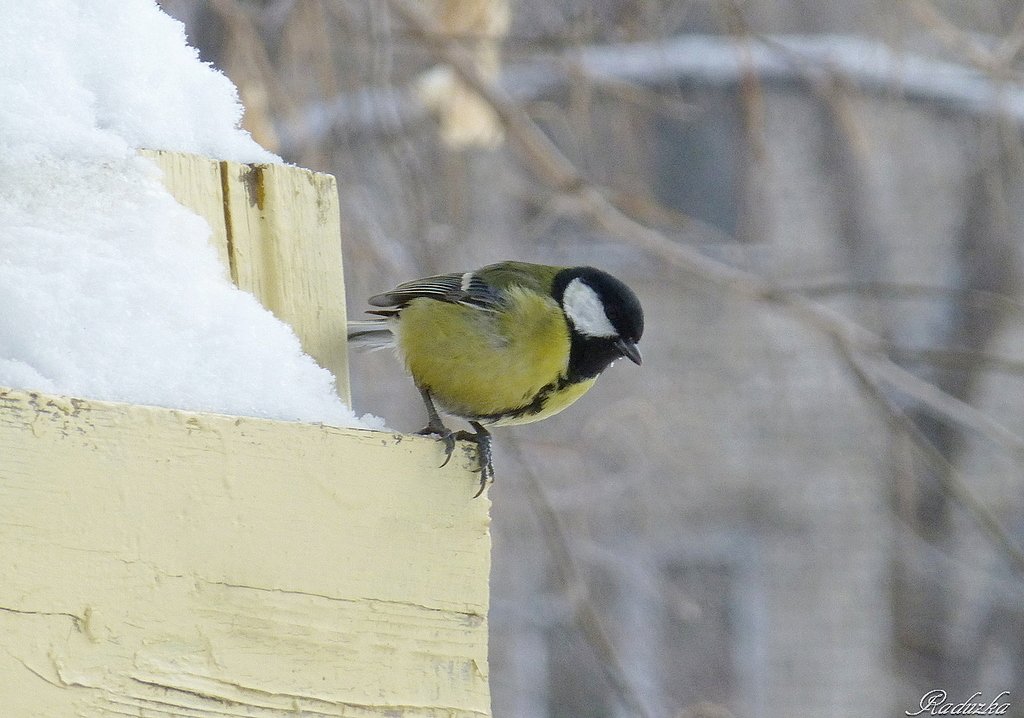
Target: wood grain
{"type": "Point", "coordinates": [166, 563]}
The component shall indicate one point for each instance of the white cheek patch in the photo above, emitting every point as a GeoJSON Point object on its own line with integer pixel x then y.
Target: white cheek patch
{"type": "Point", "coordinates": [586, 311]}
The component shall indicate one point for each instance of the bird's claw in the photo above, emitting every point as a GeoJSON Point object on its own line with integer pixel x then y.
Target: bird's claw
{"type": "Point", "coordinates": [445, 435]}
{"type": "Point", "coordinates": [481, 437]}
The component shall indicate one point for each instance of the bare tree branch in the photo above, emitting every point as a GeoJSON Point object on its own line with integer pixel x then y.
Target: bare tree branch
{"type": "Point", "coordinates": [862, 350]}
{"type": "Point", "coordinates": [958, 359]}
{"type": "Point", "coordinates": [903, 291]}
{"type": "Point", "coordinates": [587, 617]}
{"type": "Point", "coordinates": [552, 167]}
{"type": "Point", "coordinates": [954, 38]}
{"type": "Point", "coordinates": [952, 483]}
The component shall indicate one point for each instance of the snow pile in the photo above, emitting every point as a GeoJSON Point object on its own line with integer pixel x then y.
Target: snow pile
{"type": "Point", "coordinates": [108, 288]}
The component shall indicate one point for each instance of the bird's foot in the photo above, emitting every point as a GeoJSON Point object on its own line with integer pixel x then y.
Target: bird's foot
{"type": "Point", "coordinates": [445, 435]}
{"type": "Point", "coordinates": [482, 438]}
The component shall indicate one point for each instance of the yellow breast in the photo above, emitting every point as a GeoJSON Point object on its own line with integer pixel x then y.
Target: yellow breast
{"type": "Point", "coordinates": [554, 403]}
{"type": "Point", "coordinates": [477, 363]}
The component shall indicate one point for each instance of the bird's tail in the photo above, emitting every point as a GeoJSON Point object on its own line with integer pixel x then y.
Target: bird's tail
{"type": "Point", "coordinates": [370, 334]}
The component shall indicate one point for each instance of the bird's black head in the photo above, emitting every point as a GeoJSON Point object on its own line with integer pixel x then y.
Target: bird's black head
{"type": "Point", "coordinates": [605, 318]}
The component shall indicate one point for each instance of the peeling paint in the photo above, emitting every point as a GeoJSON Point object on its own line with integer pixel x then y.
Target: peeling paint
{"type": "Point", "coordinates": [168, 563]}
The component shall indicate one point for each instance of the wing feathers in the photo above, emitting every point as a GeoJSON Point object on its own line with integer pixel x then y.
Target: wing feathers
{"type": "Point", "coordinates": [465, 288]}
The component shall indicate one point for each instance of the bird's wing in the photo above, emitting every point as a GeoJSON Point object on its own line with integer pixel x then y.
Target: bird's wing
{"type": "Point", "coordinates": [466, 288]}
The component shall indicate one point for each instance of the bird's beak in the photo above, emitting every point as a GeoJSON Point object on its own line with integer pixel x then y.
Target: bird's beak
{"type": "Point", "coordinates": [628, 349]}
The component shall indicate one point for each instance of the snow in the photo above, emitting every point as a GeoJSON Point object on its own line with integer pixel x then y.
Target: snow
{"type": "Point", "coordinates": [109, 289]}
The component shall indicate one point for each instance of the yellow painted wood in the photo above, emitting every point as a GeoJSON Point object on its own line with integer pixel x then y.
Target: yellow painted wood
{"type": "Point", "coordinates": [165, 563]}
{"type": "Point", "coordinates": [195, 182]}
{"type": "Point", "coordinates": [285, 244]}
{"type": "Point", "coordinates": [277, 229]}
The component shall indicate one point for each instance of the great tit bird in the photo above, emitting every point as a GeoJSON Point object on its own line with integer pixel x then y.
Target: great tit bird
{"type": "Point", "coordinates": [511, 343]}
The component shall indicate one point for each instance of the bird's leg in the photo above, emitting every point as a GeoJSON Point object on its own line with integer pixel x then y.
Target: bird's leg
{"type": "Point", "coordinates": [436, 427]}
{"type": "Point", "coordinates": [482, 439]}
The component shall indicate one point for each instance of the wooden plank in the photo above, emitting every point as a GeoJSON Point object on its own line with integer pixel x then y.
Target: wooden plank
{"type": "Point", "coordinates": [277, 229]}
{"type": "Point", "coordinates": [285, 243]}
{"type": "Point", "coordinates": [165, 563]}
{"type": "Point", "coordinates": [196, 183]}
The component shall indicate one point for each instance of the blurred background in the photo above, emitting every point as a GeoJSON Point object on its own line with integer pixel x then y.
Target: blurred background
{"type": "Point", "coordinates": [808, 501]}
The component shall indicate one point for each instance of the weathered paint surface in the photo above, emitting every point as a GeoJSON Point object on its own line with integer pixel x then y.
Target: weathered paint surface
{"type": "Point", "coordinates": [164, 563]}
{"type": "Point", "coordinates": [277, 228]}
